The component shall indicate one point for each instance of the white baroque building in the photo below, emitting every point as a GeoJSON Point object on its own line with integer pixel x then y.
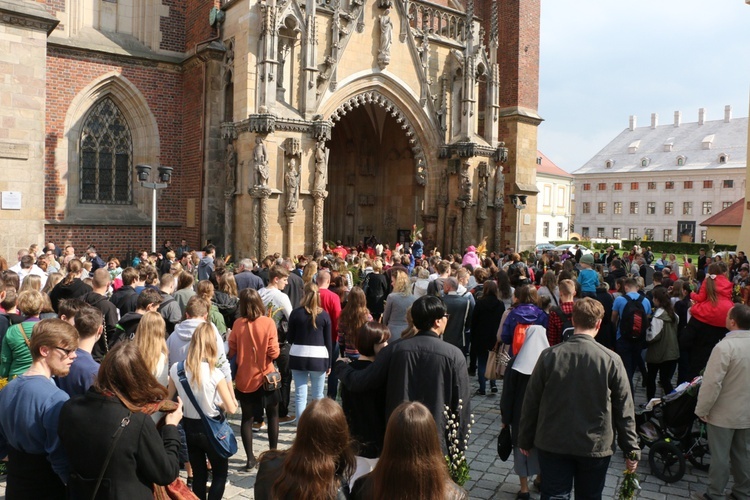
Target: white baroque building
{"type": "Point", "coordinates": [553, 205]}
{"type": "Point", "coordinates": [660, 182]}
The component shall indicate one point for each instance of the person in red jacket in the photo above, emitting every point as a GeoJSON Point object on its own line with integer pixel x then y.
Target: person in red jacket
{"type": "Point", "coordinates": [707, 325]}
{"type": "Point", "coordinates": [331, 304]}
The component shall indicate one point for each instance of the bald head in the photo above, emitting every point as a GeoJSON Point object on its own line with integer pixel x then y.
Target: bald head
{"type": "Point", "coordinates": [323, 279]}
{"type": "Point", "coordinates": [100, 280]}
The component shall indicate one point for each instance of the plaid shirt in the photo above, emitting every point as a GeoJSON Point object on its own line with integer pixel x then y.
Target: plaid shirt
{"type": "Point", "coordinates": [555, 327]}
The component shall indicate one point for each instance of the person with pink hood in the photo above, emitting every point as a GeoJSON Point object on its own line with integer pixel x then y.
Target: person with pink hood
{"type": "Point", "coordinates": [471, 257]}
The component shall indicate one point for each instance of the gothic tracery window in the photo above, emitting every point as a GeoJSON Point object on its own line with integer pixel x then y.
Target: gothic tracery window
{"type": "Point", "coordinates": [106, 148]}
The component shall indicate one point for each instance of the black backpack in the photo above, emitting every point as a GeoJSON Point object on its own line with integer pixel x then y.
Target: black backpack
{"type": "Point", "coordinates": [567, 323]}
{"type": "Point", "coordinates": [634, 321]}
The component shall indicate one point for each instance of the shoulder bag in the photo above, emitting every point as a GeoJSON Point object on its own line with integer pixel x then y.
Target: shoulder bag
{"type": "Point", "coordinates": [272, 379]}
{"type": "Point", "coordinates": [497, 362]}
{"type": "Point", "coordinates": [218, 431]}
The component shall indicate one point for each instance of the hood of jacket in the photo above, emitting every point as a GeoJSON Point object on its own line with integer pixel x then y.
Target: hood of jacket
{"type": "Point", "coordinates": [206, 261]}
{"type": "Point", "coordinates": [184, 330]}
{"type": "Point", "coordinates": [723, 285]}
{"type": "Point", "coordinates": [130, 318]}
{"type": "Point", "coordinates": [528, 314]}
{"type": "Point", "coordinates": [93, 298]}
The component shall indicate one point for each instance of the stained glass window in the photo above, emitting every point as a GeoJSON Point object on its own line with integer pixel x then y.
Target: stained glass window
{"type": "Point", "coordinates": [106, 156]}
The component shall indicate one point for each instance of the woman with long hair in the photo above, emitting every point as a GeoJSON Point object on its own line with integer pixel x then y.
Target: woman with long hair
{"type": "Point", "coordinates": [353, 316]}
{"type": "Point", "coordinates": [31, 282]}
{"type": "Point", "coordinates": [364, 410]}
{"type": "Point", "coordinates": [484, 325]}
{"type": "Point", "coordinates": [309, 333]}
{"type": "Point", "coordinates": [205, 290]}
{"type": "Point", "coordinates": [52, 280]}
{"type": "Point", "coordinates": [399, 300]}
{"type": "Point", "coordinates": [525, 312]}
{"type": "Point", "coordinates": [185, 290]}
{"type": "Point", "coordinates": [71, 286]}
{"type": "Point", "coordinates": [708, 315]}
{"type": "Point", "coordinates": [124, 396]}
{"type": "Point", "coordinates": [15, 357]}
{"type": "Point", "coordinates": [663, 348]}
{"type": "Point", "coordinates": [319, 463]}
{"type": "Point", "coordinates": [206, 383]}
{"type": "Point", "coordinates": [150, 338]}
{"type": "Point", "coordinates": [226, 298]}
{"type": "Point", "coordinates": [412, 464]}
{"type": "Point", "coordinates": [308, 274]}
{"type": "Point", "coordinates": [254, 340]}
{"type": "Point", "coordinates": [517, 376]}
{"type": "Point", "coordinates": [503, 286]}
{"type": "Point", "coordinates": [549, 288]}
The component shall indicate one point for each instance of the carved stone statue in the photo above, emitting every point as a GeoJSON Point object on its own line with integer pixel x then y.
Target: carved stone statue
{"type": "Point", "coordinates": [292, 185]}
{"type": "Point", "coordinates": [386, 38]}
{"type": "Point", "coordinates": [385, 4]}
{"type": "Point", "coordinates": [499, 188]}
{"type": "Point", "coordinates": [442, 196]}
{"type": "Point", "coordinates": [261, 163]}
{"type": "Point", "coordinates": [321, 167]}
{"type": "Point", "coordinates": [230, 167]}
{"type": "Point", "coordinates": [465, 182]}
{"type": "Point", "coordinates": [482, 201]}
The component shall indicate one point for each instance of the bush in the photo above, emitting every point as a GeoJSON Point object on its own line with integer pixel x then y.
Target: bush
{"type": "Point", "coordinates": [676, 247]}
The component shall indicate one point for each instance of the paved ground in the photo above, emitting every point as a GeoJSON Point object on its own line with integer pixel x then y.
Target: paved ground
{"type": "Point", "coordinates": [491, 477]}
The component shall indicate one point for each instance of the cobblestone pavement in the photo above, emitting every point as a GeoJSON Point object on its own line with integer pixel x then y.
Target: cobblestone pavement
{"type": "Point", "coordinates": [491, 477]}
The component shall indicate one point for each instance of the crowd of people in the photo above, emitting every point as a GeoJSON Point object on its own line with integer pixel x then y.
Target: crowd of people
{"type": "Point", "coordinates": [148, 351]}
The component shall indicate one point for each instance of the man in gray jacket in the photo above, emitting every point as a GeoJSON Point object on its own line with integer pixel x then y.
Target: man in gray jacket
{"type": "Point", "coordinates": [577, 397]}
{"type": "Point", "coordinates": [723, 402]}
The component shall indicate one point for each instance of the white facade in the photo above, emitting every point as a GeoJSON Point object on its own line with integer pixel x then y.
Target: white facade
{"type": "Point", "coordinates": [553, 201]}
{"type": "Point", "coordinates": [660, 182]}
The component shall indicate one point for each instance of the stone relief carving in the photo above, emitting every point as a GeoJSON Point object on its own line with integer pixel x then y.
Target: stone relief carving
{"type": "Point", "coordinates": [292, 185]}
{"type": "Point", "coordinates": [321, 167]}
{"type": "Point", "coordinates": [482, 199]}
{"type": "Point", "coordinates": [465, 182]}
{"type": "Point", "coordinates": [230, 169]}
{"type": "Point", "coordinates": [260, 158]}
{"type": "Point", "coordinates": [442, 197]}
{"type": "Point", "coordinates": [386, 39]}
{"type": "Point", "coordinates": [499, 188]}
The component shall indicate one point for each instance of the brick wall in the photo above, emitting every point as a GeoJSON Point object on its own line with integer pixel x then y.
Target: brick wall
{"type": "Point", "coordinates": [196, 21]}
{"type": "Point", "coordinates": [518, 54]}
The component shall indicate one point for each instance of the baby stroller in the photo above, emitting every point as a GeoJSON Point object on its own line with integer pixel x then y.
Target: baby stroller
{"type": "Point", "coordinates": [673, 433]}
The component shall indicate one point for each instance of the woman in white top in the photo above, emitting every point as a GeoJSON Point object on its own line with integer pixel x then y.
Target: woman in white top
{"type": "Point", "coordinates": [206, 381]}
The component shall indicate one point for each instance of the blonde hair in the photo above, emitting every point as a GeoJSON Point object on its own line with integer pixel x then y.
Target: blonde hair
{"type": "Point", "coordinates": [150, 339]}
{"type": "Point", "coordinates": [202, 348]}
{"type": "Point", "coordinates": [377, 266]}
{"type": "Point", "coordinates": [309, 272]}
{"type": "Point", "coordinates": [311, 302]}
{"type": "Point", "coordinates": [31, 282]}
{"type": "Point", "coordinates": [401, 282]}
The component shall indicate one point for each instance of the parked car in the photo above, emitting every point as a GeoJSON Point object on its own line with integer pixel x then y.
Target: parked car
{"type": "Point", "coordinates": [725, 254]}
{"type": "Point", "coordinates": [542, 248]}
{"type": "Point", "coordinates": [569, 246]}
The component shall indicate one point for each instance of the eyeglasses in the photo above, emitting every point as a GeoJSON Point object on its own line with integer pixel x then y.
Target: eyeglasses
{"type": "Point", "coordinates": [446, 315]}
{"type": "Point", "coordinates": [67, 352]}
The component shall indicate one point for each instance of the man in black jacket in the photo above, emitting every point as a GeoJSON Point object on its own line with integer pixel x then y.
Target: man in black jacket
{"type": "Point", "coordinates": [615, 272]}
{"type": "Point", "coordinates": [125, 298]}
{"type": "Point", "coordinates": [422, 368]}
{"type": "Point", "coordinates": [98, 299]}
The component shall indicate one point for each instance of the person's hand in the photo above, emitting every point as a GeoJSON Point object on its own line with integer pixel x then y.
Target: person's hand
{"type": "Point", "coordinates": [525, 453]}
{"type": "Point", "coordinates": [704, 418]}
{"type": "Point", "coordinates": [343, 359]}
{"type": "Point", "coordinates": [174, 417]}
{"type": "Point", "coordinates": [328, 372]}
{"type": "Point", "coordinates": [631, 465]}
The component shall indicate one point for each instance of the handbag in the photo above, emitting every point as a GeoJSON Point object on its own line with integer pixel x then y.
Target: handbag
{"type": "Point", "coordinates": [218, 431]}
{"type": "Point", "coordinates": [272, 381]}
{"type": "Point", "coordinates": [176, 490]}
{"type": "Point", "coordinates": [497, 362]}
{"type": "Point", "coordinates": [504, 444]}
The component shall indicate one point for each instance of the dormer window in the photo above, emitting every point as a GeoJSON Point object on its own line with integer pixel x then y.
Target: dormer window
{"type": "Point", "coordinates": [609, 163]}
{"type": "Point", "coordinates": [645, 162]}
{"type": "Point", "coordinates": [681, 161]}
{"type": "Point", "coordinates": [723, 158]}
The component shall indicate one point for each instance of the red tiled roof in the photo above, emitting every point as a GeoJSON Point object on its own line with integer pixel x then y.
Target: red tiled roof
{"type": "Point", "coordinates": [549, 168]}
{"type": "Point", "coordinates": [730, 216]}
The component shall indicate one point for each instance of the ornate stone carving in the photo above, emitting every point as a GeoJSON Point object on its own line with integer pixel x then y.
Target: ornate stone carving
{"type": "Point", "coordinates": [465, 182]}
{"type": "Point", "coordinates": [321, 167]}
{"type": "Point", "coordinates": [442, 197]}
{"type": "Point", "coordinates": [320, 129]}
{"type": "Point", "coordinates": [230, 170]}
{"type": "Point", "coordinates": [260, 164]}
{"type": "Point", "coordinates": [386, 39]}
{"type": "Point", "coordinates": [292, 146]}
{"type": "Point", "coordinates": [482, 199]}
{"type": "Point", "coordinates": [228, 131]}
{"type": "Point", "coordinates": [499, 188]}
{"type": "Point", "coordinates": [292, 178]}
{"type": "Point", "coordinates": [262, 123]}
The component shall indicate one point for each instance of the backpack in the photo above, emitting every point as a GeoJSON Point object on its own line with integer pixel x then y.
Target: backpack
{"type": "Point", "coordinates": [634, 321]}
{"type": "Point", "coordinates": [519, 337]}
{"type": "Point", "coordinates": [567, 323]}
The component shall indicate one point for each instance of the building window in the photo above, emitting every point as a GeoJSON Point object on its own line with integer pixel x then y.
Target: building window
{"type": "Point", "coordinates": [722, 158]}
{"type": "Point", "coordinates": [618, 186]}
{"type": "Point", "coordinates": [585, 232]}
{"type": "Point", "coordinates": [633, 207]}
{"type": "Point", "coordinates": [669, 185]}
{"type": "Point", "coordinates": [609, 163]}
{"type": "Point", "coordinates": [586, 207]}
{"type": "Point", "coordinates": [602, 207]}
{"type": "Point", "coordinates": [545, 230]}
{"type": "Point", "coordinates": [602, 186]}
{"type": "Point", "coordinates": [725, 204]}
{"type": "Point", "coordinates": [687, 185]}
{"type": "Point", "coordinates": [632, 233]}
{"type": "Point", "coordinates": [680, 161]}
{"type": "Point", "coordinates": [547, 196]}
{"type": "Point", "coordinates": [645, 162]}
{"type": "Point", "coordinates": [708, 184]}
{"type": "Point", "coordinates": [634, 186]}
{"type": "Point", "coordinates": [649, 233]}
{"type": "Point", "coordinates": [106, 156]}
{"type": "Point", "coordinates": [704, 234]}
{"type": "Point", "coordinates": [651, 208]}
{"type": "Point", "coordinates": [559, 229]}
{"type": "Point", "coordinates": [600, 232]}
{"type": "Point", "coordinates": [560, 197]}
{"type": "Point", "coordinates": [687, 208]}
{"type": "Point", "coordinates": [667, 235]}
{"type": "Point", "coordinates": [706, 208]}
{"type": "Point", "coordinates": [616, 232]}
{"type": "Point", "coordinates": [652, 185]}
{"type": "Point", "coordinates": [728, 183]}
{"type": "Point", "coordinates": [668, 207]}
{"type": "Point", "coordinates": [618, 207]}
{"type": "Point", "coordinates": [587, 186]}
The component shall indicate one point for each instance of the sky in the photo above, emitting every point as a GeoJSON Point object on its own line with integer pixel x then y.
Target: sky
{"type": "Point", "coordinates": [602, 61]}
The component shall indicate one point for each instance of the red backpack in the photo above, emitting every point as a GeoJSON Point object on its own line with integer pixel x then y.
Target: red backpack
{"type": "Point", "coordinates": [519, 337]}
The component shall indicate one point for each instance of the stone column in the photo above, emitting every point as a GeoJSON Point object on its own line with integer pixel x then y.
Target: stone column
{"type": "Point", "coordinates": [499, 205]}
{"type": "Point", "coordinates": [228, 222]}
{"type": "Point", "coordinates": [459, 226]}
{"type": "Point", "coordinates": [451, 233]}
{"type": "Point", "coordinates": [466, 226]}
{"type": "Point", "coordinates": [319, 198]}
{"type": "Point", "coordinates": [429, 233]}
{"type": "Point", "coordinates": [261, 194]}
{"type": "Point", "coordinates": [290, 214]}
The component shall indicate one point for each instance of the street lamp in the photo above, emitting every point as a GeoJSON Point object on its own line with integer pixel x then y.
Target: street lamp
{"type": "Point", "coordinates": [519, 202]}
{"type": "Point", "coordinates": [165, 177]}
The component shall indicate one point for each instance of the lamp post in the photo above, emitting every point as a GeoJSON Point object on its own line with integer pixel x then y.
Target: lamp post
{"type": "Point", "coordinates": [519, 202]}
{"type": "Point", "coordinates": [165, 177]}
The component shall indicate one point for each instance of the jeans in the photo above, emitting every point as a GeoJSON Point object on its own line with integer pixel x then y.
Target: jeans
{"type": "Point", "coordinates": [630, 352]}
{"type": "Point", "coordinates": [560, 471]}
{"type": "Point", "coordinates": [481, 368]}
{"type": "Point", "coordinates": [318, 380]}
{"type": "Point", "coordinates": [200, 449]}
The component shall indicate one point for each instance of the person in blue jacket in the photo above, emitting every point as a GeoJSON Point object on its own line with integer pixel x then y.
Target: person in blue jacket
{"type": "Point", "coordinates": [524, 312]}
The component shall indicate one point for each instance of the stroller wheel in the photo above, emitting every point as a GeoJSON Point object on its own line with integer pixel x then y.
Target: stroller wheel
{"type": "Point", "coordinates": [698, 453]}
{"type": "Point", "coordinates": [666, 461]}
